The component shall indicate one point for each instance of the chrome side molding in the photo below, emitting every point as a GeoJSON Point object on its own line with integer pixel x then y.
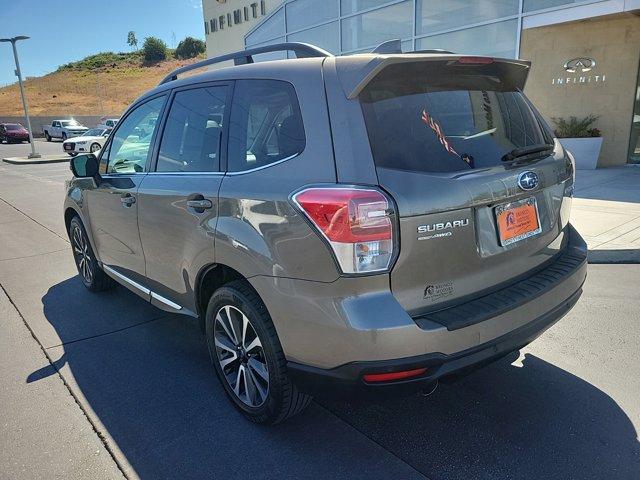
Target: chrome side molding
{"type": "Point", "coordinates": [165, 301]}
{"type": "Point", "coordinates": [145, 291]}
{"type": "Point", "coordinates": [127, 280]}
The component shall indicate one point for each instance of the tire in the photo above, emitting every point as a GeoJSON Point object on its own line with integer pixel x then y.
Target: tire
{"type": "Point", "coordinates": [91, 275]}
{"type": "Point", "coordinates": [94, 147]}
{"type": "Point", "coordinates": [47, 136]}
{"type": "Point", "coordinates": [267, 402]}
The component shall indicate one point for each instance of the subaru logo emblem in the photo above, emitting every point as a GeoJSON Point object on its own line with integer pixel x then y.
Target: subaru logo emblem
{"type": "Point", "coordinates": [528, 180]}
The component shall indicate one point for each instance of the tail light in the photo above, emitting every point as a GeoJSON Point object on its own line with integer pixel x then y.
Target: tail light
{"type": "Point", "coordinates": [357, 223]}
{"type": "Point", "coordinates": [572, 166]}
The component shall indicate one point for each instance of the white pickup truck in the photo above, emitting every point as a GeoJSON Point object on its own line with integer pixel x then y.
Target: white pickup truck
{"type": "Point", "coordinates": [63, 129]}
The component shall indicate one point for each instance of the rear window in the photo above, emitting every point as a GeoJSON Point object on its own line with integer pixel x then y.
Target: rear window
{"type": "Point", "coordinates": [13, 126]}
{"type": "Point", "coordinates": [436, 118]}
{"type": "Point", "coordinates": [266, 124]}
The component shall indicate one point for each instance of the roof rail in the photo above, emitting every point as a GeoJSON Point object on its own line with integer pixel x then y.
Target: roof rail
{"type": "Point", "coordinates": [242, 57]}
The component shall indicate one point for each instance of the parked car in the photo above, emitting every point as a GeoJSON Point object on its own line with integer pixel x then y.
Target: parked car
{"type": "Point", "coordinates": [346, 225]}
{"type": "Point", "coordinates": [13, 133]}
{"type": "Point", "coordinates": [107, 122]}
{"type": "Point", "coordinates": [90, 141]}
{"type": "Point", "coordinates": [63, 129]}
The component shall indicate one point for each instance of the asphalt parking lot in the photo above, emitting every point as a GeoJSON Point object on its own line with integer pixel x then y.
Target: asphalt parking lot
{"type": "Point", "coordinates": [42, 147]}
{"type": "Point", "coordinates": [106, 386]}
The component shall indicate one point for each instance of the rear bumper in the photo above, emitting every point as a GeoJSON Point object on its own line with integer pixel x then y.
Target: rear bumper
{"type": "Point", "coordinates": [333, 333]}
{"type": "Point", "coordinates": [347, 380]}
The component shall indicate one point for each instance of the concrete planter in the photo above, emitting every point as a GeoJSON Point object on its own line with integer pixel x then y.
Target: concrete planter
{"type": "Point", "coordinates": [585, 150]}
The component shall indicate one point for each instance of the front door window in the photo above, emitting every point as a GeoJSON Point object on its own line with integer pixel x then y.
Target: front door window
{"type": "Point", "coordinates": [130, 144]}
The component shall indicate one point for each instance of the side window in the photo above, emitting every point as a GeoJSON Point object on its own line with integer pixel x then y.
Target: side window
{"type": "Point", "coordinates": [265, 125]}
{"type": "Point", "coordinates": [129, 146]}
{"type": "Point", "coordinates": [192, 135]}
{"type": "Point", "coordinates": [56, 124]}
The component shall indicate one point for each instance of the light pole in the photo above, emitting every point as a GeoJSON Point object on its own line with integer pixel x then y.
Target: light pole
{"type": "Point", "coordinates": [13, 41]}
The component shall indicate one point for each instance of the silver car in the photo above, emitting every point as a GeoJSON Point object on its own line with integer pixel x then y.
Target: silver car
{"type": "Point", "coordinates": [340, 225]}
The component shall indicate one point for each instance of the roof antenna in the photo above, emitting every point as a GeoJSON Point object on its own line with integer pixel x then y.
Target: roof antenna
{"type": "Point", "coordinates": [391, 46]}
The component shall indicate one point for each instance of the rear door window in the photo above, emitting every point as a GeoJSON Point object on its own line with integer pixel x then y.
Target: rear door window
{"type": "Point", "coordinates": [191, 141]}
{"type": "Point", "coordinates": [445, 119]}
{"type": "Point", "coordinates": [265, 126]}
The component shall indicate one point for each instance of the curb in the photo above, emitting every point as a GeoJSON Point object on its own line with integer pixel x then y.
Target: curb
{"type": "Point", "coordinates": [34, 161]}
{"type": "Point", "coordinates": [629, 256]}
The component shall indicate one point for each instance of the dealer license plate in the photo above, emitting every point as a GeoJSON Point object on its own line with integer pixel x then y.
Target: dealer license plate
{"type": "Point", "coordinates": [517, 220]}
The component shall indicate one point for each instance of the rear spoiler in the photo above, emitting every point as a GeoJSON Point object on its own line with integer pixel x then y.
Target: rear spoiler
{"type": "Point", "coordinates": [357, 71]}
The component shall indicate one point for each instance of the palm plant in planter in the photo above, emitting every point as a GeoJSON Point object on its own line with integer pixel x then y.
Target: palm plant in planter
{"type": "Point", "coordinates": [581, 138]}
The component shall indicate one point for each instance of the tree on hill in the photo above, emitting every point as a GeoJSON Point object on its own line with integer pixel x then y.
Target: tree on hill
{"type": "Point", "coordinates": [189, 47]}
{"type": "Point", "coordinates": [154, 50]}
{"type": "Point", "coordinates": [132, 41]}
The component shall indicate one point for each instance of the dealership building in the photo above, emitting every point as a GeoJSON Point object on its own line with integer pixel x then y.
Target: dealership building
{"type": "Point", "coordinates": [585, 54]}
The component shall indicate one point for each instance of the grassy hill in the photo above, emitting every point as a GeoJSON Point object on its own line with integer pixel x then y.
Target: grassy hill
{"type": "Point", "coordinates": [102, 84]}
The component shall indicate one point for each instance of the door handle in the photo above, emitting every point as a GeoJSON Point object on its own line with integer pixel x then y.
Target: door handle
{"type": "Point", "coordinates": [127, 200]}
{"type": "Point", "coordinates": [200, 205]}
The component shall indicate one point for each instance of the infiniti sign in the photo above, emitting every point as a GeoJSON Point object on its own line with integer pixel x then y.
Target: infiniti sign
{"type": "Point", "coordinates": [582, 72]}
{"type": "Point", "coordinates": [579, 64]}
{"type": "Point", "coordinates": [528, 180]}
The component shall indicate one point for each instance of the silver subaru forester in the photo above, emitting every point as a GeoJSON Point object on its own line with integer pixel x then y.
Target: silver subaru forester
{"type": "Point", "coordinates": [340, 225]}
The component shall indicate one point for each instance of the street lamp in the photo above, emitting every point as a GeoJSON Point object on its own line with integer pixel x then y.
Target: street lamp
{"type": "Point", "coordinates": [13, 41]}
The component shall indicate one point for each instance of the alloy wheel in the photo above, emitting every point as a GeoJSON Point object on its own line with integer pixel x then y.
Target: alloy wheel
{"type": "Point", "coordinates": [240, 356]}
{"type": "Point", "coordinates": [81, 254]}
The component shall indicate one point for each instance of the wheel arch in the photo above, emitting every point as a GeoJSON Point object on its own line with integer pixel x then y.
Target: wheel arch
{"type": "Point", "coordinates": [69, 213]}
{"type": "Point", "coordinates": [210, 278]}
{"type": "Point", "coordinates": [72, 210]}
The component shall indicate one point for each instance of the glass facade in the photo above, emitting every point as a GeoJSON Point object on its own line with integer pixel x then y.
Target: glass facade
{"type": "Point", "coordinates": [495, 39]}
{"type": "Point", "coordinates": [533, 5]}
{"type": "Point", "coordinates": [325, 36]}
{"type": "Point", "coordinates": [486, 27]}
{"type": "Point", "coordinates": [374, 27]}
{"type": "Point", "coordinates": [436, 15]}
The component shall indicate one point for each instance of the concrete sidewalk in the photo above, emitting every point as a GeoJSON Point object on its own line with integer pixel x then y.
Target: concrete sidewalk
{"type": "Point", "coordinates": [45, 434]}
{"type": "Point", "coordinates": [18, 153]}
{"type": "Point", "coordinates": [59, 158]}
{"type": "Point", "coordinates": [606, 212]}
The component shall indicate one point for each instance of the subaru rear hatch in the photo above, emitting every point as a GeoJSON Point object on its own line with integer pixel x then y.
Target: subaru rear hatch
{"type": "Point", "coordinates": [477, 177]}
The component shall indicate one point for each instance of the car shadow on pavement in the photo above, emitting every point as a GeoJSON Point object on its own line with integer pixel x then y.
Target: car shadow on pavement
{"type": "Point", "coordinates": [152, 389]}
{"type": "Point", "coordinates": [526, 420]}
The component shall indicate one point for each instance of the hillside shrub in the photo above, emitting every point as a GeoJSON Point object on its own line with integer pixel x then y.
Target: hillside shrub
{"type": "Point", "coordinates": [189, 48]}
{"type": "Point", "coordinates": [100, 60]}
{"type": "Point", "coordinates": [154, 50]}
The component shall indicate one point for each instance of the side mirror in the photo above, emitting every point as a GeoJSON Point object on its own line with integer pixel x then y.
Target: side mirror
{"type": "Point", "coordinates": [84, 166]}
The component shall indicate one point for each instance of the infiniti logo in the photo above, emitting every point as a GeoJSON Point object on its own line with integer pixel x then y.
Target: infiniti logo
{"type": "Point", "coordinates": [528, 180]}
{"type": "Point", "coordinates": [579, 64]}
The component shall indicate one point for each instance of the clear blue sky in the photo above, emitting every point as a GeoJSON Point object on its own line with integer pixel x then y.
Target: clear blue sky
{"type": "Point", "coordinates": [68, 30]}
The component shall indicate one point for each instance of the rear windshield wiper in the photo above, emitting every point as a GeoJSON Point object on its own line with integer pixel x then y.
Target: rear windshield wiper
{"type": "Point", "coordinates": [526, 151]}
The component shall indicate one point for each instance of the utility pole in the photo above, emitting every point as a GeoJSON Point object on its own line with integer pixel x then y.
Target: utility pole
{"type": "Point", "coordinates": [13, 41]}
